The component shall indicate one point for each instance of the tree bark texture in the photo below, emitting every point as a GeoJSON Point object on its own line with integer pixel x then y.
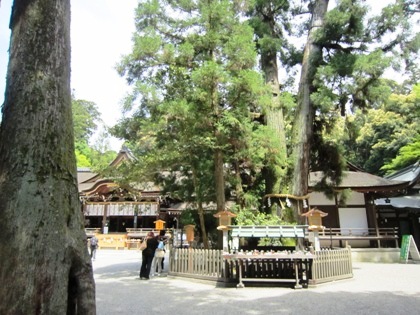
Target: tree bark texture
{"type": "Point", "coordinates": [219, 174]}
{"type": "Point", "coordinates": [275, 120]}
{"type": "Point", "coordinates": [200, 209]}
{"type": "Point", "coordinates": [220, 180]}
{"type": "Point", "coordinates": [44, 257]}
{"type": "Point", "coordinates": [303, 126]}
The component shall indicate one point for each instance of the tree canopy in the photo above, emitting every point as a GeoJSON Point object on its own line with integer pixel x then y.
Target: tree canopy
{"type": "Point", "coordinates": [209, 123]}
{"type": "Point", "coordinates": [385, 139]}
{"type": "Point", "coordinates": [86, 119]}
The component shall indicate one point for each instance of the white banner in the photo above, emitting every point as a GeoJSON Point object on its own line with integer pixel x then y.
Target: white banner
{"type": "Point", "coordinates": [144, 209]}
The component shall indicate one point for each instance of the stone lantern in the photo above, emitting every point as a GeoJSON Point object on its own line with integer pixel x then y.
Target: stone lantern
{"type": "Point", "coordinates": [314, 217]}
{"type": "Point", "coordinates": [225, 219]}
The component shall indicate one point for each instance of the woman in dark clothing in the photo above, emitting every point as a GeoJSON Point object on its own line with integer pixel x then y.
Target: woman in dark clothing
{"type": "Point", "coordinates": [147, 256]}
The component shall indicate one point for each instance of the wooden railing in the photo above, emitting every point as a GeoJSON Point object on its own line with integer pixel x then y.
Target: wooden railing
{"type": "Point", "coordinates": [353, 234]}
{"type": "Point", "coordinates": [115, 241]}
{"type": "Point", "coordinates": [129, 240]}
{"type": "Point", "coordinates": [327, 265]}
{"type": "Point", "coordinates": [140, 232]}
{"type": "Point", "coordinates": [92, 231]}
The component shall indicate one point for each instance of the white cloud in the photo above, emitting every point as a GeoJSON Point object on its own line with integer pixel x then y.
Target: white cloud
{"type": "Point", "coordinates": [101, 32]}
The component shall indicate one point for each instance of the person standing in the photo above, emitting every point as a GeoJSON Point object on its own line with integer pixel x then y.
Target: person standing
{"type": "Point", "coordinates": [93, 246]}
{"type": "Point", "coordinates": [147, 256]}
{"type": "Point", "coordinates": [157, 265]}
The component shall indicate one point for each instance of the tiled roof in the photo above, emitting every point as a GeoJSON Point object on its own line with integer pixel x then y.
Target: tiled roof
{"type": "Point", "coordinates": [410, 173]}
{"type": "Point", "coordinates": [92, 183]}
{"type": "Point", "coordinates": [361, 181]}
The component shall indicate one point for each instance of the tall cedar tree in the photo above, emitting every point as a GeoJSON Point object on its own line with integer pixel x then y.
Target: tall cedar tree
{"type": "Point", "coordinates": [192, 66]}
{"type": "Point", "coordinates": [346, 55]}
{"type": "Point", "coordinates": [44, 257]}
{"type": "Point", "coordinates": [270, 20]}
{"type": "Point", "coordinates": [305, 113]}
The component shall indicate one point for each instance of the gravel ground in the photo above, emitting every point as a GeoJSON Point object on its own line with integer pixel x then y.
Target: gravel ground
{"type": "Point", "coordinates": [375, 289]}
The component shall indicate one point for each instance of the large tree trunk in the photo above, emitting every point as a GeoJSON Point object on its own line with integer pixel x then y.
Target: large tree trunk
{"type": "Point", "coordinates": [303, 126]}
{"type": "Point", "coordinates": [198, 193]}
{"type": "Point", "coordinates": [45, 267]}
{"type": "Point", "coordinates": [274, 173]}
{"type": "Point", "coordinates": [219, 174]}
{"type": "Point", "coordinates": [275, 170]}
{"type": "Point", "coordinates": [220, 180]}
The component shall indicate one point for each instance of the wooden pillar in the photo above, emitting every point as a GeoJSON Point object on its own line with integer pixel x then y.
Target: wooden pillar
{"type": "Point", "coordinates": [104, 219]}
{"type": "Point", "coordinates": [371, 216]}
{"type": "Point", "coordinates": [83, 208]}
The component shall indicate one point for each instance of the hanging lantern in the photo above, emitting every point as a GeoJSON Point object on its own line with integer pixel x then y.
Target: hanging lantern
{"type": "Point", "coordinates": [159, 225]}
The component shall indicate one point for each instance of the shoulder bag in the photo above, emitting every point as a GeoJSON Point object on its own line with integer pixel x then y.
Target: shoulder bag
{"type": "Point", "coordinates": [143, 244]}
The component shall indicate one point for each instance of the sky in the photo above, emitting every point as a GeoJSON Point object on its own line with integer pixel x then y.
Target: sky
{"type": "Point", "coordinates": [101, 32]}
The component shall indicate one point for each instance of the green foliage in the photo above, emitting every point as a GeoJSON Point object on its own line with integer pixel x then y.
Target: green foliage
{"type": "Point", "coordinates": [86, 118]}
{"type": "Point", "coordinates": [378, 135]}
{"type": "Point", "coordinates": [380, 139]}
{"type": "Point", "coordinates": [344, 23]}
{"type": "Point", "coordinates": [344, 196]}
{"type": "Point", "coordinates": [82, 160]}
{"type": "Point", "coordinates": [271, 24]}
{"type": "Point", "coordinates": [357, 50]}
{"type": "Point", "coordinates": [252, 217]}
{"type": "Point", "coordinates": [196, 91]}
{"type": "Point", "coordinates": [187, 217]}
{"type": "Point", "coordinates": [277, 242]}
{"type": "Point", "coordinates": [353, 65]}
{"type": "Point", "coordinates": [195, 79]}
{"type": "Point", "coordinates": [407, 155]}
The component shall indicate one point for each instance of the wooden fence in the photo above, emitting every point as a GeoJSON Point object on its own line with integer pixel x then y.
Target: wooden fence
{"type": "Point", "coordinates": [276, 267]}
{"type": "Point", "coordinates": [331, 265]}
{"type": "Point", "coordinates": [328, 265]}
{"type": "Point", "coordinates": [197, 263]}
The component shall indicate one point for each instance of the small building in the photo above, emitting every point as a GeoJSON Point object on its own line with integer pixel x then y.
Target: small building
{"type": "Point", "coordinates": [352, 215]}
{"type": "Point", "coordinates": [402, 210]}
{"type": "Point", "coordinates": [112, 208]}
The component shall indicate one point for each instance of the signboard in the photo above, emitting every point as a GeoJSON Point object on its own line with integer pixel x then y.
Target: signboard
{"type": "Point", "coordinates": [408, 247]}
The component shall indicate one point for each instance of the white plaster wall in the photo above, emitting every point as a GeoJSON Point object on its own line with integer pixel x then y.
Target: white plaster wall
{"type": "Point", "coordinates": [353, 218]}
{"type": "Point", "coordinates": [355, 198]}
{"type": "Point", "coordinates": [319, 199]}
{"type": "Point", "coordinates": [353, 244]}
